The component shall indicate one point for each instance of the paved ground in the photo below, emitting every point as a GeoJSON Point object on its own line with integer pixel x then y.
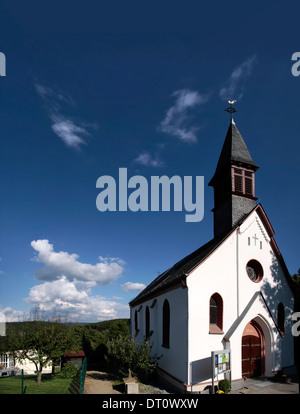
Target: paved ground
{"type": "Point", "coordinates": [267, 386]}
{"type": "Point", "coordinates": [98, 382]}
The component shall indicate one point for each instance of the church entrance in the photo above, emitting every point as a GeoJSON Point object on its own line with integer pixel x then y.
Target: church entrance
{"type": "Point", "coordinates": [252, 350]}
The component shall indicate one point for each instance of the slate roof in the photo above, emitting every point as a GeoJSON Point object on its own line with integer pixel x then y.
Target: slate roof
{"type": "Point", "coordinates": [234, 150]}
{"type": "Point", "coordinates": [179, 271]}
{"type": "Point", "coordinates": [73, 354]}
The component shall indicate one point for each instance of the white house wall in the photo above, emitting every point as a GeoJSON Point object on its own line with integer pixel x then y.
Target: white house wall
{"type": "Point", "coordinates": [29, 368]}
{"type": "Point", "coordinates": [224, 272]}
{"type": "Point", "coordinates": [173, 360]}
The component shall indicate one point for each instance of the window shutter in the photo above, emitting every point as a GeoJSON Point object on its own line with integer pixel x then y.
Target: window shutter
{"type": "Point", "coordinates": [248, 186]}
{"type": "Point", "coordinates": [243, 181]}
{"type": "Point", "coordinates": [238, 183]}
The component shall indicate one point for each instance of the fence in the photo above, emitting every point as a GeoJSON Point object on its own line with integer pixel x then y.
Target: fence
{"type": "Point", "coordinates": [82, 375]}
{"type": "Point", "coordinates": [77, 385]}
{"type": "Point", "coordinates": [22, 382]}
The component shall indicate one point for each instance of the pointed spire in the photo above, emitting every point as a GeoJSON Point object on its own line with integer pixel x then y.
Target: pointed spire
{"type": "Point", "coordinates": [233, 182]}
{"type": "Point", "coordinates": [234, 151]}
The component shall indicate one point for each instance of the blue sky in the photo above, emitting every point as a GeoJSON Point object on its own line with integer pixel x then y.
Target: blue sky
{"type": "Point", "coordinates": [91, 88]}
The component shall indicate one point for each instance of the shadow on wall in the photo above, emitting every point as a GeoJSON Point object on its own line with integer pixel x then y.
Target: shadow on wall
{"type": "Point", "coordinates": [273, 295]}
{"type": "Point", "coordinates": [201, 370]}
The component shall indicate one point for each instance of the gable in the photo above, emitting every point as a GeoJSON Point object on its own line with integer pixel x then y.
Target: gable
{"type": "Point", "coordinates": [176, 275]}
{"type": "Point", "coordinates": [259, 230]}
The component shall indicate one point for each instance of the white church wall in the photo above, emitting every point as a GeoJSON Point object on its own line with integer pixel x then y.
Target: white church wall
{"type": "Point", "coordinates": [173, 359]}
{"type": "Point", "coordinates": [215, 275]}
{"type": "Point", "coordinates": [225, 272]}
{"type": "Point", "coordinates": [255, 244]}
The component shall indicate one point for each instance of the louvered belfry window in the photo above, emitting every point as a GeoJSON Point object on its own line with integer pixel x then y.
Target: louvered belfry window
{"type": "Point", "coordinates": [243, 181]}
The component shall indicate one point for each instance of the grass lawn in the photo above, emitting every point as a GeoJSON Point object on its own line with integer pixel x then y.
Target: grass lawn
{"type": "Point", "coordinates": [50, 385]}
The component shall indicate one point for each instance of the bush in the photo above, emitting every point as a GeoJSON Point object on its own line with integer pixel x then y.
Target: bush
{"type": "Point", "coordinates": [225, 385]}
{"type": "Point", "coordinates": [69, 370]}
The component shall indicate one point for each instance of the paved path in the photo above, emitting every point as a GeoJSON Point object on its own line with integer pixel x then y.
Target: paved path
{"type": "Point", "coordinates": [98, 382]}
{"type": "Point", "coordinates": [266, 386]}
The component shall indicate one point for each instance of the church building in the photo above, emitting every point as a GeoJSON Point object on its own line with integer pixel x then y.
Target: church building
{"type": "Point", "coordinates": [233, 294]}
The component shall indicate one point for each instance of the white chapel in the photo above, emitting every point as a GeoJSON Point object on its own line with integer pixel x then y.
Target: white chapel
{"type": "Point", "coordinates": [231, 294]}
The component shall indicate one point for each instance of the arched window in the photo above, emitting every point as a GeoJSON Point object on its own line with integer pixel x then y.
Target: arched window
{"type": "Point", "coordinates": [280, 317]}
{"type": "Point", "coordinates": [216, 314]}
{"type": "Point", "coordinates": [136, 323]}
{"type": "Point", "coordinates": [147, 322]}
{"type": "Point", "coordinates": [166, 325]}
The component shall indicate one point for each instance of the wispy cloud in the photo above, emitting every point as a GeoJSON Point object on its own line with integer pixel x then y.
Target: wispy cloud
{"type": "Point", "coordinates": [233, 88]}
{"type": "Point", "coordinates": [145, 158]}
{"type": "Point", "coordinates": [53, 98]}
{"type": "Point", "coordinates": [72, 133]}
{"type": "Point", "coordinates": [177, 119]}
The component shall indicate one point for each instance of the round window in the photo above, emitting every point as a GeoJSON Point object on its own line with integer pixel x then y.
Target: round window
{"type": "Point", "coordinates": [254, 271]}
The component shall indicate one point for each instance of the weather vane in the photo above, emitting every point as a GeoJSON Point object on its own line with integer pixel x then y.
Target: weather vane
{"type": "Point", "coordinates": [231, 110]}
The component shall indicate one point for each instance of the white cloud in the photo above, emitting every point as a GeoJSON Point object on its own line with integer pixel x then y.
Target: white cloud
{"type": "Point", "coordinates": [72, 133]}
{"type": "Point", "coordinates": [145, 158]}
{"type": "Point", "coordinates": [12, 315]}
{"type": "Point", "coordinates": [233, 87]}
{"type": "Point", "coordinates": [58, 291]}
{"type": "Point", "coordinates": [177, 117]}
{"type": "Point", "coordinates": [67, 287]}
{"type": "Point", "coordinates": [58, 264]}
{"type": "Point", "coordinates": [133, 287]}
{"type": "Point", "coordinates": [63, 296]}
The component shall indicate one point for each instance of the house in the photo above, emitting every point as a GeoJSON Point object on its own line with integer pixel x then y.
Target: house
{"type": "Point", "coordinates": [232, 294]}
{"type": "Point", "coordinates": [75, 357]}
{"type": "Point", "coordinates": [10, 366]}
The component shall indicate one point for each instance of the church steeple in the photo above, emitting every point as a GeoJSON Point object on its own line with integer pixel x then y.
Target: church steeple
{"type": "Point", "coordinates": [233, 182]}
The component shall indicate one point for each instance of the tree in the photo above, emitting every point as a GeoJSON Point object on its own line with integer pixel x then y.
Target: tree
{"type": "Point", "coordinates": [131, 356]}
{"type": "Point", "coordinates": [296, 278]}
{"type": "Point", "coordinates": [39, 341]}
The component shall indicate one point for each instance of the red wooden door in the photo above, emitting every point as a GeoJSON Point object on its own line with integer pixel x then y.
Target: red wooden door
{"type": "Point", "coordinates": [251, 352]}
